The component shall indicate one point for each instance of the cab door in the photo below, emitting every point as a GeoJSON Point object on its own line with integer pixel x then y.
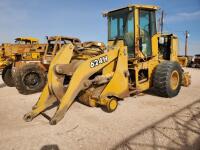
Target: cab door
{"type": "Point", "coordinates": [147, 28]}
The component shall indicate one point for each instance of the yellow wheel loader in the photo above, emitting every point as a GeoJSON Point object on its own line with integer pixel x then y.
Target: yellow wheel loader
{"type": "Point", "coordinates": [9, 53]}
{"type": "Point", "coordinates": [137, 59]}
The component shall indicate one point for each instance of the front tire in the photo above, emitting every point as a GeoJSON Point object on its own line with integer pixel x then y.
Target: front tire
{"type": "Point", "coordinates": [7, 76]}
{"type": "Point", "coordinates": [31, 78]}
{"type": "Point", "coordinates": [167, 79]}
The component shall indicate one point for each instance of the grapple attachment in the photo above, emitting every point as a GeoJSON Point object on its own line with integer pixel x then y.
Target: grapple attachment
{"type": "Point", "coordinates": [91, 81]}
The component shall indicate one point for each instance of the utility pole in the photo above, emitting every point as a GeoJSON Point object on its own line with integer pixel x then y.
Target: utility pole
{"type": "Point", "coordinates": [186, 42]}
{"type": "Point", "coordinates": [162, 21]}
{"type": "Point", "coordinates": [158, 23]}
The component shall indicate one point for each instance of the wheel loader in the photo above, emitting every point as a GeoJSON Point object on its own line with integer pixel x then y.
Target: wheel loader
{"type": "Point", "coordinates": [18, 51]}
{"type": "Point", "coordinates": [137, 58]}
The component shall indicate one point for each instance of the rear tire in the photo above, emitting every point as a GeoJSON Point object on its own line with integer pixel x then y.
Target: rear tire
{"type": "Point", "coordinates": [167, 79]}
{"type": "Point", "coordinates": [7, 76]}
{"type": "Point", "coordinates": [31, 78]}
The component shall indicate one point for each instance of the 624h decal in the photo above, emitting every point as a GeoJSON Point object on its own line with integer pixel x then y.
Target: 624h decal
{"type": "Point", "coordinates": [99, 61]}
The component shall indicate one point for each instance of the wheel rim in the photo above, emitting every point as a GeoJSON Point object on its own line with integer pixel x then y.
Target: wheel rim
{"type": "Point", "coordinates": [113, 105]}
{"type": "Point", "coordinates": [174, 80]}
{"type": "Point", "coordinates": [31, 79]}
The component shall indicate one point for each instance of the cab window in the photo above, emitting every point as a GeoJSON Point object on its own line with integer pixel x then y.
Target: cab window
{"type": "Point", "coordinates": [129, 35]}
{"type": "Point", "coordinates": [147, 30]}
{"type": "Point", "coordinates": [121, 26]}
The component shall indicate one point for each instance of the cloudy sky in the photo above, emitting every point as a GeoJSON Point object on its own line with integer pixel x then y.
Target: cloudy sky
{"type": "Point", "coordinates": [83, 19]}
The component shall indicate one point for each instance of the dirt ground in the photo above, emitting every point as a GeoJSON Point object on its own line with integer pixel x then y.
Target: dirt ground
{"type": "Point", "coordinates": [141, 122]}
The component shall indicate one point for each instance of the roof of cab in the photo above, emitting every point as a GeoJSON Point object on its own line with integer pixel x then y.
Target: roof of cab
{"type": "Point", "coordinates": [153, 7]}
{"type": "Point", "coordinates": [27, 39]}
{"type": "Point", "coordinates": [52, 38]}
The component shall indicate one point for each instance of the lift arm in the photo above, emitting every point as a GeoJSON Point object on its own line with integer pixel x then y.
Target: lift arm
{"type": "Point", "coordinates": [55, 91]}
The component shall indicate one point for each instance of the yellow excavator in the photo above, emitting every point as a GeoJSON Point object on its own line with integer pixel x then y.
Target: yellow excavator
{"type": "Point", "coordinates": [137, 58]}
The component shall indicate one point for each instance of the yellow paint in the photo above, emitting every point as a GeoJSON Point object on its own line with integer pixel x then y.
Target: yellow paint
{"type": "Point", "coordinates": [114, 87]}
{"type": "Point", "coordinates": [112, 104]}
{"type": "Point", "coordinates": [174, 80]}
{"type": "Point", "coordinates": [31, 39]}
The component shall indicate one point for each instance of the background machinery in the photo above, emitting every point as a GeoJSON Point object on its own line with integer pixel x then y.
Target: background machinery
{"type": "Point", "coordinates": [137, 59]}
{"type": "Point", "coordinates": [30, 74]}
{"type": "Point", "coordinates": [195, 63]}
{"type": "Point", "coordinates": [24, 48]}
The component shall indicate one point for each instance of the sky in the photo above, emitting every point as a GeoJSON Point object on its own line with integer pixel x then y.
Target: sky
{"type": "Point", "coordinates": [83, 19]}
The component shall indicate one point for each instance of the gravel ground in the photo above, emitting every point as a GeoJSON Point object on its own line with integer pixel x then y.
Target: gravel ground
{"type": "Point", "coordinates": [141, 122]}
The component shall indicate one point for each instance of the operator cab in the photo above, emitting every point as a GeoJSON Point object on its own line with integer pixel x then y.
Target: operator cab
{"type": "Point", "coordinates": [56, 42]}
{"type": "Point", "coordinates": [54, 45]}
{"type": "Point", "coordinates": [133, 26]}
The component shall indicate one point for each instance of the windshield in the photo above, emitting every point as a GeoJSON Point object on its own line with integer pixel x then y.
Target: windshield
{"type": "Point", "coordinates": [121, 26]}
{"type": "Point", "coordinates": [116, 23]}
{"type": "Point", "coordinates": [50, 47]}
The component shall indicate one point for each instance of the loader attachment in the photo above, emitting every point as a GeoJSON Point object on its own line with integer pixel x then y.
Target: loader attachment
{"type": "Point", "coordinates": [68, 76]}
{"type": "Point", "coordinates": [47, 97]}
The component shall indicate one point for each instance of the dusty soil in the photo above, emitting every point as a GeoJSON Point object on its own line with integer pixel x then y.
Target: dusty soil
{"type": "Point", "coordinates": [141, 122]}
